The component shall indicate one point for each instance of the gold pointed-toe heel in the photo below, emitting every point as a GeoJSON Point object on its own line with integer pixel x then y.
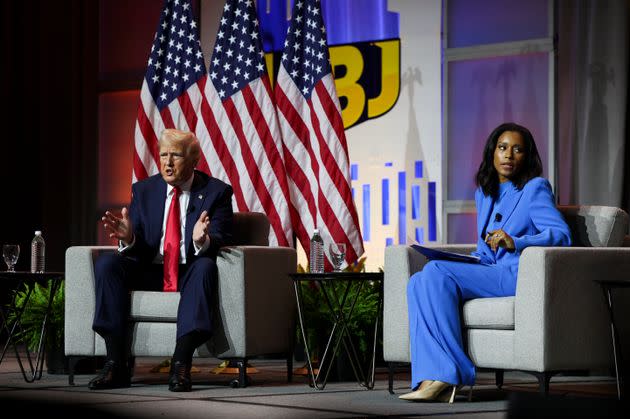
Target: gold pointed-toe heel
{"type": "Point", "coordinates": [448, 394]}
{"type": "Point", "coordinates": [408, 396]}
{"type": "Point", "coordinates": [418, 391]}
{"type": "Point", "coordinates": [435, 390]}
{"type": "Point", "coordinates": [428, 393]}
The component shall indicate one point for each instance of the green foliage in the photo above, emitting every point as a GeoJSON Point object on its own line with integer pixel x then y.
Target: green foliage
{"type": "Point", "coordinates": [34, 313]}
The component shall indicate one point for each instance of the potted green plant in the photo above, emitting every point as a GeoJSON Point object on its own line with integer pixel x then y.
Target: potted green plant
{"type": "Point", "coordinates": [31, 323]}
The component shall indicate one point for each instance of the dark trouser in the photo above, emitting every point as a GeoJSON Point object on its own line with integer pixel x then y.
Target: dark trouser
{"type": "Point", "coordinates": [116, 275]}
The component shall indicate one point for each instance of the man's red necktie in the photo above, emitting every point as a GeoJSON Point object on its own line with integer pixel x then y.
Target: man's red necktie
{"type": "Point", "coordinates": [172, 238]}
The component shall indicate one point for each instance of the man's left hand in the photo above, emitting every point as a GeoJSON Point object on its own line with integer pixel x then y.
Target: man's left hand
{"type": "Point", "coordinates": [200, 231]}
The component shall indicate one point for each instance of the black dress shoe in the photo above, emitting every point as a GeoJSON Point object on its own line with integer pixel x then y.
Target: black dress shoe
{"type": "Point", "coordinates": [179, 377]}
{"type": "Point", "coordinates": [113, 375]}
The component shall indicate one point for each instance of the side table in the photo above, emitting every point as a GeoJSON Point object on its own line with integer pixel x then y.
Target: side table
{"type": "Point", "coordinates": [340, 306]}
{"type": "Point", "coordinates": [27, 280]}
{"type": "Point", "coordinates": [607, 286]}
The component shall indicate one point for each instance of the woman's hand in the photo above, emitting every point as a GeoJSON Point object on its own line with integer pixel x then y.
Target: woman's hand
{"type": "Point", "coordinates": [499, 238]}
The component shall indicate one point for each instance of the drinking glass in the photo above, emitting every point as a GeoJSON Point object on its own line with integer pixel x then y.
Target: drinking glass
{"type": "Point", "coordinates": [11, 253]}
{"type": "Point", "coordinates": [337, 255]}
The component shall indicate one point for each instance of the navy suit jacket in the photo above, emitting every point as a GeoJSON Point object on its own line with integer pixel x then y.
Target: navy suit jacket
{"type": "Point", "coordinates": [147, 215]}
{"type": "Point", "coordinates": [529, 216]}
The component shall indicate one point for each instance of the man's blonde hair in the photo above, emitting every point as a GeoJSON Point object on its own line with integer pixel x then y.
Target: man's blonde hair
{"type": "Point", "coordinates": [189, 139]}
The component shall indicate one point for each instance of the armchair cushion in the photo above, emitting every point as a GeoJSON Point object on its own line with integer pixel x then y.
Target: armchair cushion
{"type": "Point", "coordinates": [489, 313]}
{"type": "Point", "coordinates": [154, 306]}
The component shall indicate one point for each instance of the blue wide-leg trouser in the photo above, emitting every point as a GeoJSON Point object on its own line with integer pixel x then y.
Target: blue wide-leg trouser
{"type": "Point", "coordinates": [434, 298]}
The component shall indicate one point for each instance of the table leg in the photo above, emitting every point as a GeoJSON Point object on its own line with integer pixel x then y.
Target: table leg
{"type": "Point", "coordinates": [369, 384]}
{"type": "Point", "coordinates": [307, 352]}
{"type": "Point", "coordinates": [35, 370]}
{"type": "Point", "coordinates": [615, 340]}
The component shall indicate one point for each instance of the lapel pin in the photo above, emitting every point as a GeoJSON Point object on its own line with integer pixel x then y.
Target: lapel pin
{"type": "Point", "coordinates": [200, 197]}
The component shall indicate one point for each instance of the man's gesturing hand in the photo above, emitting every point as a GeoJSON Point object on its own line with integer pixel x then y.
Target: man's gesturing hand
{"type": "Point", "coordinates": [200, 231]}
{"type": "Point", "coordinates": [118, 227]}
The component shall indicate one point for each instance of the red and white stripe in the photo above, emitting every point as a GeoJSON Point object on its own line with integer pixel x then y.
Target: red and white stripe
{"type": "Point", "coordinates": [316, 158]}
{"type": "Point", "coordinates": [241, 140]}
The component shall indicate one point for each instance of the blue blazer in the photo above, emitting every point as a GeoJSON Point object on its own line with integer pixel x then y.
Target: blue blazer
{"type": "Point", "coordinates": [529, 216]}
{"type": "Point", "coordinates": [147, 214]}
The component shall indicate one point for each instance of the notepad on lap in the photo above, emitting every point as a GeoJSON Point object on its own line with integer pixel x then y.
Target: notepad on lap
{"type": "Point", "coordinates": [444, 255]}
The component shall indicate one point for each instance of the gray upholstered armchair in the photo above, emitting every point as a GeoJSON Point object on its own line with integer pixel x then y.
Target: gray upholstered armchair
{"type": "Point", "coordinates": [254, 314]}
{"type": "Point", "coordinates": [558, 320]}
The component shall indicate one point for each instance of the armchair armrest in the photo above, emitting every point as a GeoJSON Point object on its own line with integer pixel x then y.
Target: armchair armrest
{"type": "Point", "coordinates": [557, 302]}
{"type": "Point", "coordinates": [79, 338]}
{"type": "Point", "coordinates": [402, 261]}
{"type": "Point", "coordinates": [255, 313]}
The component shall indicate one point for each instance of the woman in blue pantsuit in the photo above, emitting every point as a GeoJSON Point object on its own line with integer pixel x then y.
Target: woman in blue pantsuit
{"type": "Point", "coordinates": [515, 209]}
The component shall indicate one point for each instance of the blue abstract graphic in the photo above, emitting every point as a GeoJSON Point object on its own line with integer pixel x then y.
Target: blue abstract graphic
{"type": "Point", "coordinates": [385, 201]}
{"type": "Point", "coordinates": [407, 191]}
{"type": "Point", "coordinates": [347, 21]}
{"type": "Point", "coordinates": [366, 212]}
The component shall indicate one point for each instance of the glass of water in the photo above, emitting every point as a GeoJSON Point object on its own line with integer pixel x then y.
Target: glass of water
{"type": "Point", "coordinates": [11, 253]}
{"type": "Point", "coordinates": [337, 255]}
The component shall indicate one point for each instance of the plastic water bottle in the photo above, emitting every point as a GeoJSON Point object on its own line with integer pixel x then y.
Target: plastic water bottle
{"type": "Point", "coordinates": [316, 259]}
{"type": "Point", "coordinates": [38, 253]}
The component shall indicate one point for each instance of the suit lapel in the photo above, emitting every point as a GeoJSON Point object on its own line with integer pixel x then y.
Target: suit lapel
{"type": "Point", "coordinates": [486, 209]}
{"type": "Point", "coordinates": [508, 204]}
{"type": "Point", "coordinates": [157, 199]}
{"type": "Point", "coordinates": [198, 195]}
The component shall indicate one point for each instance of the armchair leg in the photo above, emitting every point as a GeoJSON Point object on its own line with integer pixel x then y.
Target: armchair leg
{"type": "Point", "coordinates": [131, 364]}
{"type": "Point", "coordinates": [390, 377]}
{"type": "Point", "coordinates": [242, 372]}
{"type": "Point", "coordinates": [498, 376]}
{"type": "Point", "coordinates": [290, 367]}
{"type": "Point", "coordinates": [243, 379]}
{"type": "Point", "coordinates": [543, 382]}
{"type": "Point", "coordinates": [80, 363]}
{"type": "Point", "coordinates": [72, 363]}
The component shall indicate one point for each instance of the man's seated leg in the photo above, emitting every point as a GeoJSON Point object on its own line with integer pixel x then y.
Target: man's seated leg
{"type": "Point", "coordinates": [179, 376]}
{"type": "Point", "coordinates": [112, 273]}
{"type": "Point", "coordinates": [115, 372]}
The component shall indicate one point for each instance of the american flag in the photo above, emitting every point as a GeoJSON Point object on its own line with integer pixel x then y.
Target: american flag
{"type": "Point", "coordinates": [230, 109]}
{"type": "Point", "coordinates": [316, 152]}
{"type": "Point", "coordinates": [172, 88]}
{"type": "Point", "coordinates": [238, 128]}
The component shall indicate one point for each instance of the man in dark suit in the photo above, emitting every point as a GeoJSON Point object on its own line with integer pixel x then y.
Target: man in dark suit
{"type": "Point", "coordinates": [158, 252]}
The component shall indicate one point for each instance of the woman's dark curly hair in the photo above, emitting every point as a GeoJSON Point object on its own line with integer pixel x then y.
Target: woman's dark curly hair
{"type": "Point", "coordinates": [487, 176]}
